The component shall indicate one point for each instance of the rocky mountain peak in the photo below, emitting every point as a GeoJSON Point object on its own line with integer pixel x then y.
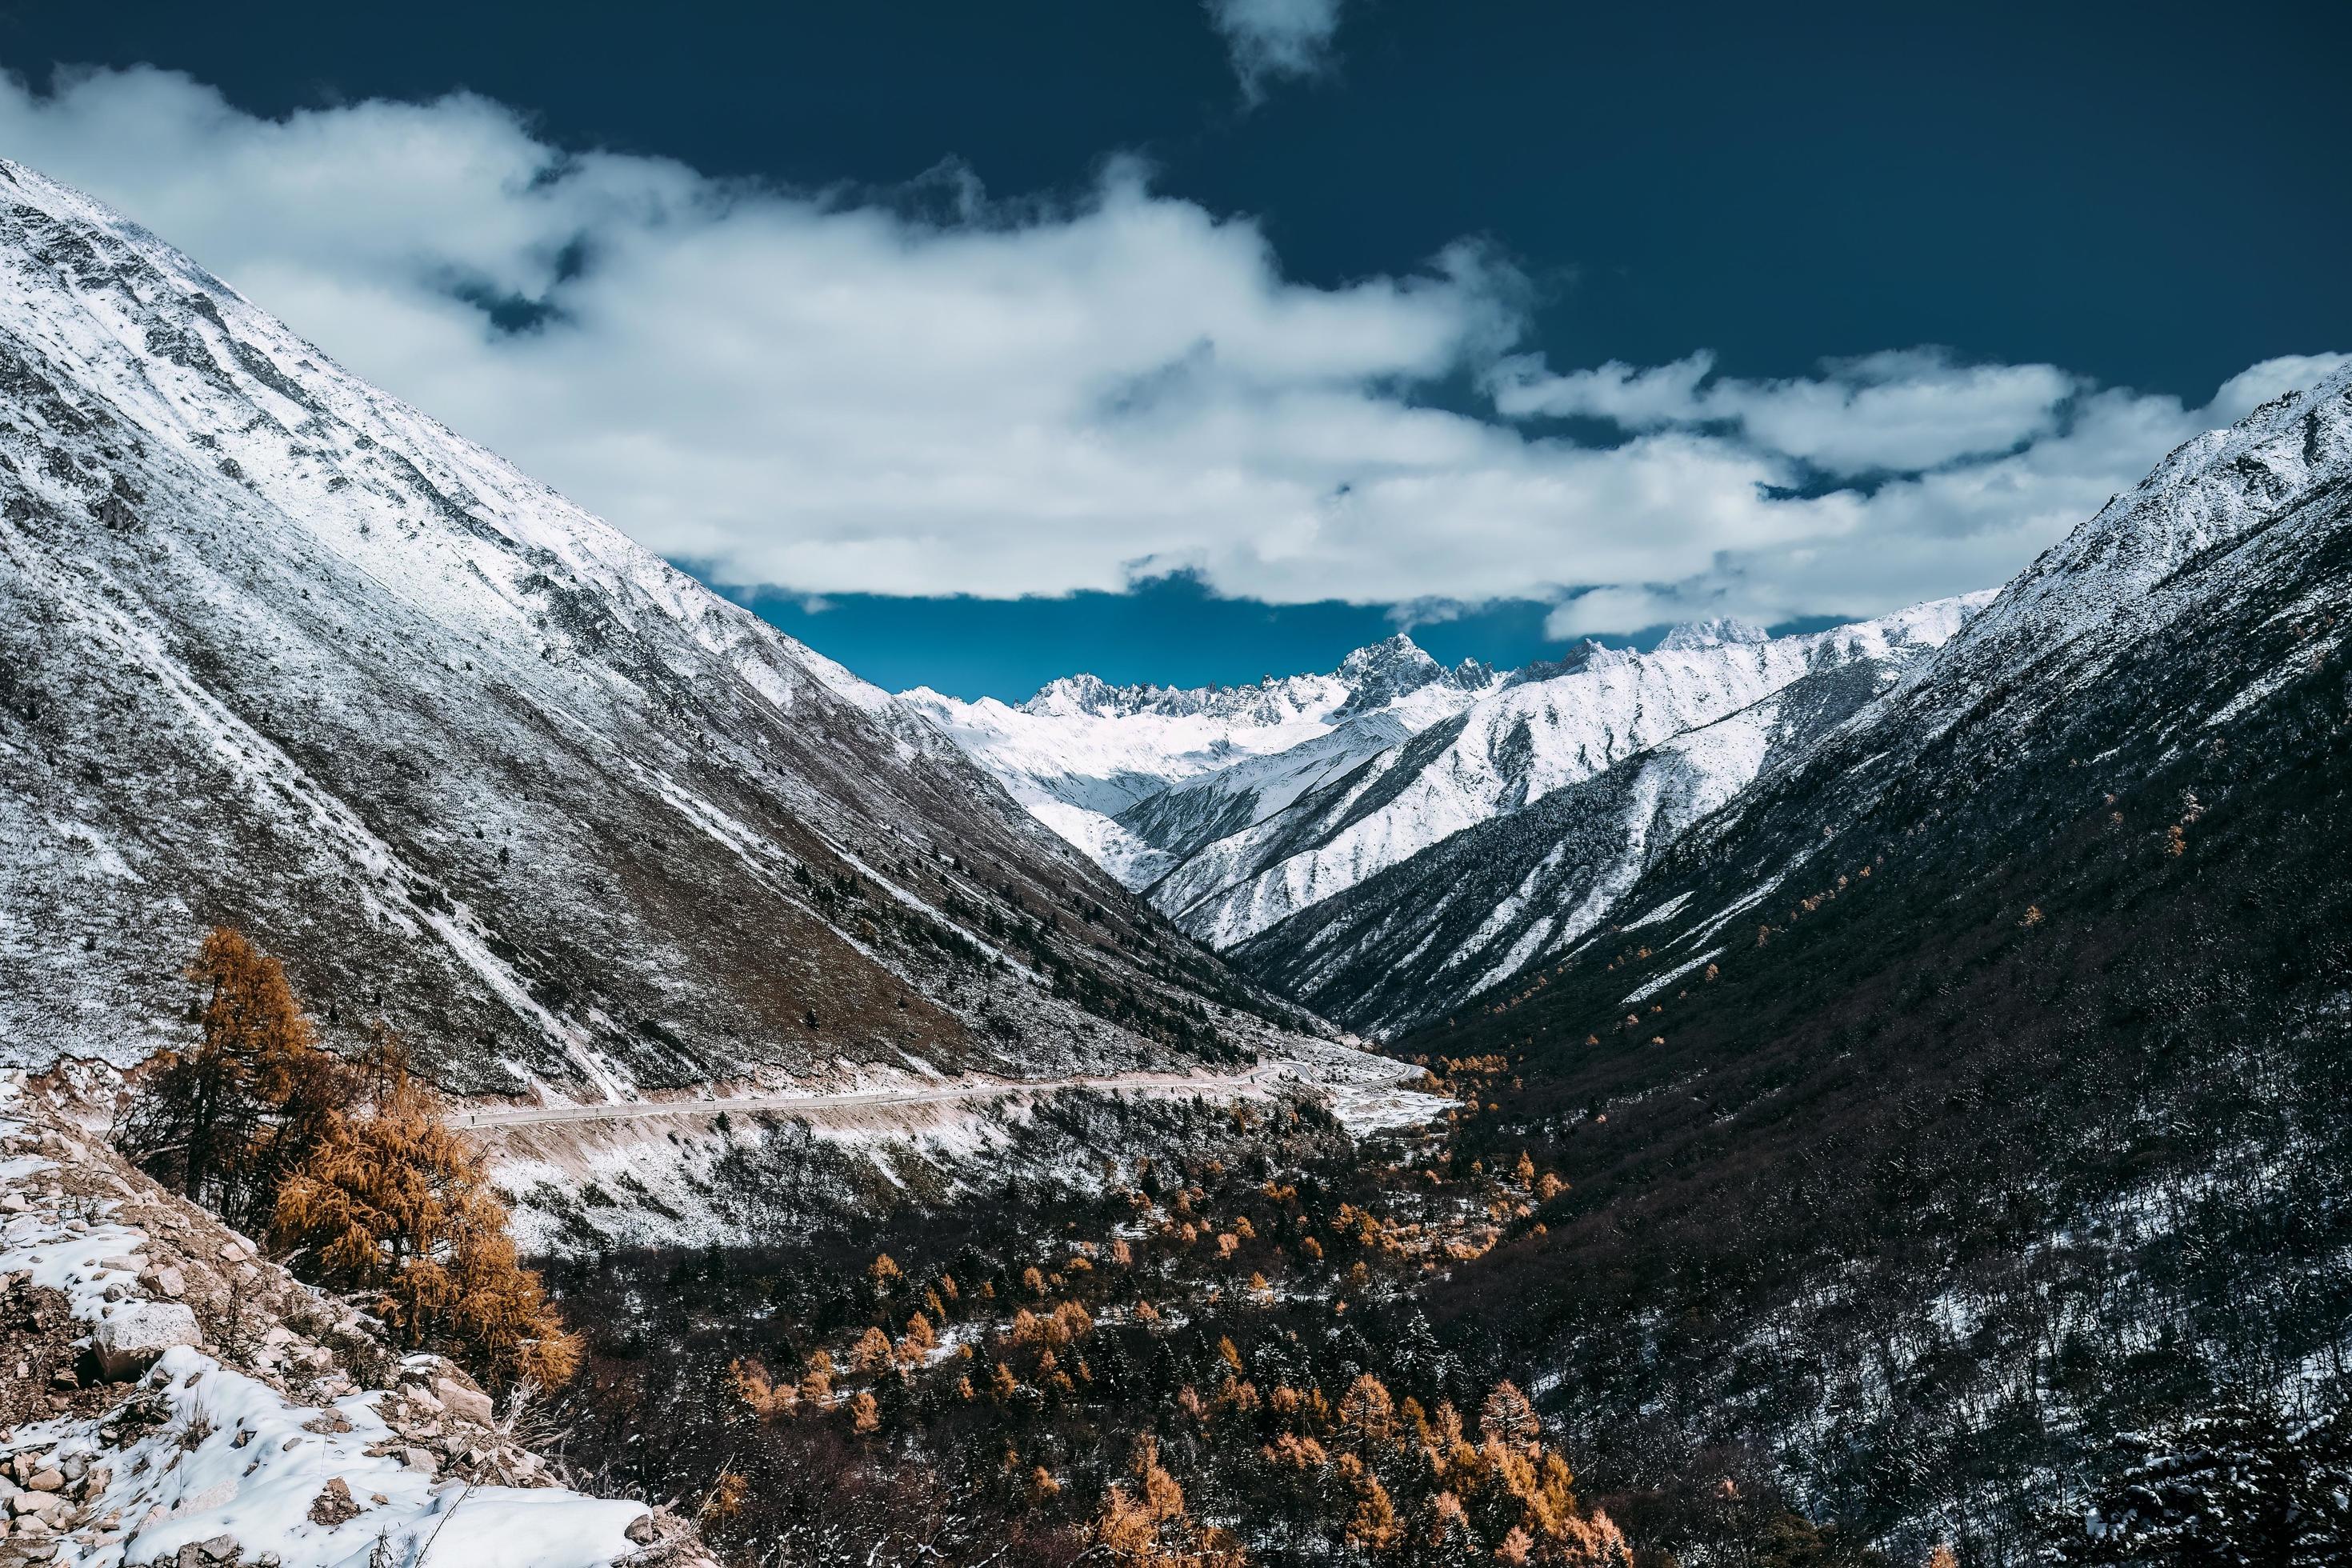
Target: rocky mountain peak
{"type": "Point", "coordinates": [1389, 657]}
{"type": "Point", "coordinates": [1692, 636]}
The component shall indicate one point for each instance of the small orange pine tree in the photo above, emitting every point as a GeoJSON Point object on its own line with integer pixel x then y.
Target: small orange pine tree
{"type": "Point", "coordinates": [223, 1121]}
{"type": "Point", "coordinates": [393, 1201]}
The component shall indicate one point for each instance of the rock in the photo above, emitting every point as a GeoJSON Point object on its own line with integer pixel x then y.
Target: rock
{"type": "Point", "coordinates": [171, 1281]}
{"type": "Point", "coordinates": [334, 1504]}
{"type": "Point", "coordinates": [417, 1458]}
{"type": "Point", "coordinates": [46, 1481]}
{"type": "Point", "coordinates": [640, 1530]}
{"type": "Point", "coordinates": [127, 1343]}
{"type": "Point", "coordinates": [220, 1547]}
{"type": "Point", "coordinates": [466, 1403]}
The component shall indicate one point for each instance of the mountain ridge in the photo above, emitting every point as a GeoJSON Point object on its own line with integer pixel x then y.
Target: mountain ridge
{"type": "Point", "coordinates": [281, 652]}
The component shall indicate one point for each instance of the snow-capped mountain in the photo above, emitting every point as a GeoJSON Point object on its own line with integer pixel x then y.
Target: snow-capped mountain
{"type": "Point", "coordinates": [1502, 754]}
{"type": "Point", "coordinates": [1094, 760]}
{"type": "Point", "coordinates": [2026, 984]}
{"type": "Point", "coordinates": [2131, 646]}
{"type": "Point", "coordinates": [279, 650]}
{"type": "Point", "coordinates": [1407, 945]}
{"type": "Point", "coordinates": [1428, 931]}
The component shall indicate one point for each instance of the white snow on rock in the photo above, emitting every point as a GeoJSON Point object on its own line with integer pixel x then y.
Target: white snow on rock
{"type": "Point", "coordinates": [134, 1334]}
{"type": "Point", "coordinates": [233, 1457]}
{"type": "Point", "coordinates": [207, 1450]}
{"type": "Point", "coordinates": [1508, 749]}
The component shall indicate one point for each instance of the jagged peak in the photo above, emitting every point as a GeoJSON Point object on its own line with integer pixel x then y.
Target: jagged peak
{"type": "Point", "coordinates": [1714, 632]}
{"type": "Point", "coordinates": [1369, 677]}
{"type": "Point", "coordinates": [1391, 654]}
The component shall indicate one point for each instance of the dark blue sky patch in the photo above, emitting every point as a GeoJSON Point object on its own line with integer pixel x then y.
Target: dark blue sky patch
{"type": "Point", "coordinates": [1170, 630]}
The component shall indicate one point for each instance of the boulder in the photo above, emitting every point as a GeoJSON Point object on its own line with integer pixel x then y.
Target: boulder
{"type": "Point", "coordinates": [334, 1504]}
{"type": "Point", "coordinates": [128, 1343]}
{"type": "Point", "coordinates": [466, 1403]}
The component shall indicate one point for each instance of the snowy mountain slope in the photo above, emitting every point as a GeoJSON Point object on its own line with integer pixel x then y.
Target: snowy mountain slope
{"type": "Point", "coordinates": [1489, 907]}
{"type": "Point", "coordinates": [1092, 760]}
{"type": "Point", "coordinates": [279, 650]}
{"type": "Point", "coordinates": [1507, 751]}
{"type": "Point", "coordinates": [1417, 941]}
{"type": "Point", "coordinates": [1195, 811]}
{"type": "Point", "coordinates": [2130, 647]}
{"type": "Point", "coordinates": [2026, 1026]}
{"type": "Point", "coordinates": [272, 1423]}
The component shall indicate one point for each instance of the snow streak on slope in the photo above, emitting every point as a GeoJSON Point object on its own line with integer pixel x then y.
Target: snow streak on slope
{"type": "Point", "coordinates": [1419, 940]}
{"type": "Point", "coordinates": [279, 650]}
{"type": "Point", "coordinates": [1139, 775]}
{"type": "Point", "coordinates": [1503, 753]}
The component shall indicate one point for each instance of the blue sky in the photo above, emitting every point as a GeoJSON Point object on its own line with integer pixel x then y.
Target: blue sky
{"type": "Point", "coordinates": [977, 345]}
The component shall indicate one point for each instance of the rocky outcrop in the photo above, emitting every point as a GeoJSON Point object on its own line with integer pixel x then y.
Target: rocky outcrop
{"type": "Point", "coordinates": [182, 1400]}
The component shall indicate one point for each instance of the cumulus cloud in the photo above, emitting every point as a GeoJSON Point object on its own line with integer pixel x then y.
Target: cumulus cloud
{"type": "Point", "coordinates": [823, 394]}
{"type": "Point", "coordinates": [2257, 385]}
{"type": "Point", "coordinates": [1894, 411]}
{"type": "Point", "coordinates": [1272, 40]}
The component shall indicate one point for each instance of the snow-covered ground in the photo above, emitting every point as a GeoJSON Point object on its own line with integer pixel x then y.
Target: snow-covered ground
{"type": "Point", "coordinates": [243, 1434]}
{"type": "Point", "coordinates": [648, 1173]}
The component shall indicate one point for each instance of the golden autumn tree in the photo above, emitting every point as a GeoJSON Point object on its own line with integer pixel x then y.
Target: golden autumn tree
{"type": "Point", "coordinates": [1142, 1522]}
{"type": "Point", "coordinates": [393, 1201]}
{"type": "Point", "coordinates": [222, 1120]}
{"type": "Point", "coordinates": [1366, 1411]}
{"type": "Point", "coordinates": [1507, 1418]}
{"type": "Point", "coordinates": [1372, 1522]}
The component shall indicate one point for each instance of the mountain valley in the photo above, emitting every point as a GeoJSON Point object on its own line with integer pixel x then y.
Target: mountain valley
{"type": "Point", "coordinates": [1835, 1098]}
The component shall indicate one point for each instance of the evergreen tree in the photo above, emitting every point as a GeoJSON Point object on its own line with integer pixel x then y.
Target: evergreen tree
{"type": "Point", "coordinates": [221, 1121]}
{"type": "Point", "coordinates": [393, 1201]}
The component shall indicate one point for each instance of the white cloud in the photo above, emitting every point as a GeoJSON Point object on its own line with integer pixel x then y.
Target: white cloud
{"type": "Point", "coordinates": [827, 397]}
{"type": "Point", "coordinates": [1894, 412]}
{"type": "Point", "coordinates": [2251, 388]}
{"type": "Point", "coordinates": [1272, 40]}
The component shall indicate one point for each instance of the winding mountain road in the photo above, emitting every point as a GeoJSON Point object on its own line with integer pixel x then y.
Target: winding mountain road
{"type": "Point", "coordinates": [489, 1118]}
